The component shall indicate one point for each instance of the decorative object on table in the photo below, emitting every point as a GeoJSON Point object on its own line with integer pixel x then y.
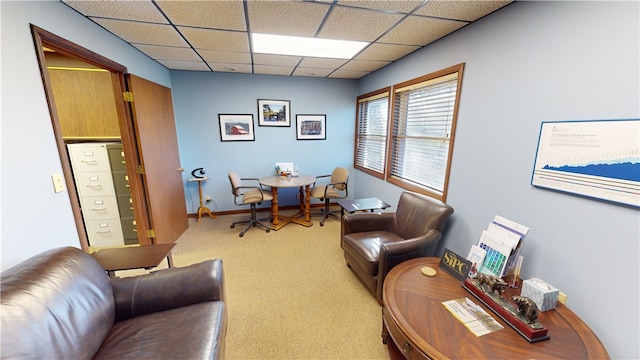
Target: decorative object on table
{"type": "Point", "coordinates": [285, 169]}
{"type": "Point", "coordinates": [198, 173]}
{"type": "Point", "coordinates": [493, 282]}
{"type": "Point", "coordinates": [455, 264]}
{"type": "Point", "coordinates": [596, 159]}
{"type": "Point", "coordinates": [543, 294]}
{"type": "Point", "coordinates": [526, 307]}
{"type": "Point", "coordinates": [336, 188]}
{"type": "Point", "coordinates": [236, 127]}
{"type": "Point", "coordinates": [529, 329]}
{"type": "Point", "coordinates": [311, 127]}
{"type": "Point", "coordinates": [274, 112]}
{"type": "Point", "coordinates": [502, 242]}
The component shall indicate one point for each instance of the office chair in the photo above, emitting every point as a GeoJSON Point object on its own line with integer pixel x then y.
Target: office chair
{"type": "Point", "coordinates": [336, 189]}
{"type": "Point", "coordinates": [252, 195]}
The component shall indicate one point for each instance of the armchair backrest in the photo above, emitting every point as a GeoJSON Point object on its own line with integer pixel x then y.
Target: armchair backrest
{"type": "Point", "coordinates": [235, 181]}
{"type": "Point", "coordinates": [417, 214]}
{"type": "Point", "coordinates": [340, 176]}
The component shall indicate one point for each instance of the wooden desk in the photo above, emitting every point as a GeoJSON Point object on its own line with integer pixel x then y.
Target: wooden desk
{"type": "Point", "coordinates": [420, 327]}
{"type": "Point", "coordinates": [133, 257]}
{"type": "Point", "coordinates": [301, 181]}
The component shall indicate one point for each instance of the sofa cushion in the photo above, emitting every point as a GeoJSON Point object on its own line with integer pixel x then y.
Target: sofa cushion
{"type": "Point", "coordinates": [56, 305]}
{"type": "Point", "coordinates": [192, 332]}
{"type": "Point", "coordinates": [365, 247]}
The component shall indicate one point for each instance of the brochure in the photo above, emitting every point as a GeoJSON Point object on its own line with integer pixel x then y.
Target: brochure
{"type": "Point", "coordinates": [472, 316]}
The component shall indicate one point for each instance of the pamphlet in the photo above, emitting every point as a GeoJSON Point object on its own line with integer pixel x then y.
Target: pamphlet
{"type": "Point", "coordinates": [472, 316]}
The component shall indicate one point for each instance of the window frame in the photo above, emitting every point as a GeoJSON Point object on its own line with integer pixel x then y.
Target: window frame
{"type": "Point", "coordinates": [429, 78]}
{"type": "Point", "coordinates": [373, 95]}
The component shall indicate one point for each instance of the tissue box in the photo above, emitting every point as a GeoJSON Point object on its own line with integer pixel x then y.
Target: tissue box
{"type": "Point", "coordinates": [544, 295]}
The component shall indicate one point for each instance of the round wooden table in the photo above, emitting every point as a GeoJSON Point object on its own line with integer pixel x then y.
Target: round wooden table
{"type": "Point", "coordinates": [417, 326]}
{"type": "Point", "coordinates": [301, 181]}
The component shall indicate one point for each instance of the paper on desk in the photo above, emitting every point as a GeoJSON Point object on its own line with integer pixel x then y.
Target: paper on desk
{"type": "Point", "coordinates": [472, 316]}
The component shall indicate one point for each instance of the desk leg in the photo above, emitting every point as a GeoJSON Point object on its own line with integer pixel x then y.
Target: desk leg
{"type": "Point", "coordinates": [307, 204]}
{"type": "Point", "coordinates": [274, 206]}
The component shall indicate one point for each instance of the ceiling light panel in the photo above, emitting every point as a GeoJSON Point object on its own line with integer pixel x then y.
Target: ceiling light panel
{"type": "Point", "coordinates": [222, 15]}
{"type": "Point", "coordinates": [290, 45]}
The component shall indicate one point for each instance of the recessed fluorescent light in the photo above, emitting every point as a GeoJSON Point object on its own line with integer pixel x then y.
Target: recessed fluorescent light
{"type": "Point", "coordinates": [301, 46]}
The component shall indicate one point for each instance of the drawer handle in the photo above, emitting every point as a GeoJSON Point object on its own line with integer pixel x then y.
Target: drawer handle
{"type": "Point", "coordinates": [406, 348]}
{"type": "Point", "coordinates": [99, 209]}
{"type": "Point", "coordinates": [104, 232]}
{"type": "Point", "coordinates": [90, 162]}
{"type": "Point", "coordinates": [95, 187]}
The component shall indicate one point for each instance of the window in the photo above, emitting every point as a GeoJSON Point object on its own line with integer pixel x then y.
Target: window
{"type": "Point", "coordinates": [371, 132]}
{"type": "Point", "coordinates": [422, 131]}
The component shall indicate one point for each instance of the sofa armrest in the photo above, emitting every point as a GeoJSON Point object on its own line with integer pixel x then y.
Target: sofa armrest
{"type": "Point", "coordinates": [360, 222]}
{"type": "Point", "coordinates": [168, 289]}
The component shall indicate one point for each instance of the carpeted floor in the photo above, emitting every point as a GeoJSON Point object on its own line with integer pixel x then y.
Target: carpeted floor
{"type": "Point", "coordinates": [290, 294]}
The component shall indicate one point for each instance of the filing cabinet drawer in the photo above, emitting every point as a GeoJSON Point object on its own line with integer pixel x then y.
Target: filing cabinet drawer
{"type": "Point", "coordinates": [125, 206]}
{"type": "Point", "coordinates": [121, 183]}
{"type": "Point", "coordinates": [100, 208]}
{"type": "Point", "coordinates": [88, 157]}
{"type": "Point", "coordinates": [116, 157]}
{"type": "Point", "coordinates": [104, 232]}
{"type": "Point", "coordinates": [95, 184]}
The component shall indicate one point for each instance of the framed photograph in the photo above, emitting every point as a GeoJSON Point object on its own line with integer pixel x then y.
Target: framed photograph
{"type": "Point", "coordinates": [311, 127]}
{"type": "Point", "coordinates": [274, 112]}
{"type": "Point", "coordinates": [236, 127]}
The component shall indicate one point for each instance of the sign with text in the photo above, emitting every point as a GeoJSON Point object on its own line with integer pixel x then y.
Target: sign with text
{"type": "Point", "coordinates": [455, 264]}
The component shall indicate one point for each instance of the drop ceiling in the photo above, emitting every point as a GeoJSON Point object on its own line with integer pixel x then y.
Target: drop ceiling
{"type": "Point", "coordinates": [215, 35]}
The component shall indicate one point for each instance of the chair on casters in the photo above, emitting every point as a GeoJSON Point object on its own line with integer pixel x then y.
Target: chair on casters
{"type": "Point", "coordinates": [336, 189]}
{"type": "Point", "coordinates": [252, 195]}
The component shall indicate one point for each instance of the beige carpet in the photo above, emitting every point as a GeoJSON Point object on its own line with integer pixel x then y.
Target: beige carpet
{"type": "Point", "coordinates": [290, 294]}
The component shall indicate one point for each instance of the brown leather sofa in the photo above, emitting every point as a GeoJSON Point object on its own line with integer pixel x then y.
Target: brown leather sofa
{"type": "Point", "coordinates": [62, 305]}
{"type": "Point", "coordinates": [374, 243]}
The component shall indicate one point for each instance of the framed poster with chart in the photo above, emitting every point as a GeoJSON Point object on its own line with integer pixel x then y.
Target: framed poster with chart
{"type": "Point", "coordinates": [598, 159]}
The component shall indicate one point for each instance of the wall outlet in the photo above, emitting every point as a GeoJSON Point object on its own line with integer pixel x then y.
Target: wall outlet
{"type": "Point", "coordinates": [207, 198]}
{"type": "Point", "coordinates": [58, 182]}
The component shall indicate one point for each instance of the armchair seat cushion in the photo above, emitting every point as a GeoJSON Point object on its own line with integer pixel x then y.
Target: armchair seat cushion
{"type": "Point", "coordinates": [365, 247]}
{"type": "Point", "coordinates": [150, 335]}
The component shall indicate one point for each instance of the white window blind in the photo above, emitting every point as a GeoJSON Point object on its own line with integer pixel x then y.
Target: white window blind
{"type": "Point", "coordinates": [371, 137]}
{"type": "Point", "coordinates": [423, 119]}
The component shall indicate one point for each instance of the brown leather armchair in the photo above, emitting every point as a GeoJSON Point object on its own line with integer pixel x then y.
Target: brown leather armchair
{"type": "Point", "coordinates": [374, 243]}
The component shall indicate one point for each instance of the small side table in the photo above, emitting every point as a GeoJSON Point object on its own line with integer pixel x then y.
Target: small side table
{"type": "Point", "coordinates": [366, 204]}
{"type": "Point", "coordinates": [201, 208]}
{"type": "Point", "coordinates": [133, 257]}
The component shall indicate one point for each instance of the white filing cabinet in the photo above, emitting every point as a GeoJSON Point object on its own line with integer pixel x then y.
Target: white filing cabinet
{"type": "Point", "coordinates": [93, 178]}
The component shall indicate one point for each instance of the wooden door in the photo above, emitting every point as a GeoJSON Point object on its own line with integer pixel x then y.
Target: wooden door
{"type": "Point", "coordinates": [154, 123]}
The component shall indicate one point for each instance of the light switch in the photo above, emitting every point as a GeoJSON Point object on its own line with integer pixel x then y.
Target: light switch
{"type": "Point", "coordinates": [58, 182]}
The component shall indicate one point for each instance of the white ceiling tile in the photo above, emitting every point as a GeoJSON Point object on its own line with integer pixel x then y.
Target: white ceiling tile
{"type": "Point", "coordinates": [322, 63]}
{"type": "Point", "coordinates": [237, 68]}
{"type": "Point", "coordinates": [348, 74]}
{"type": "Point", "coordinates": [216, 39]}
{"type": "Point", "coordinates": [282, 60]}
{"type": "Point", "coordinates": [273, 70]}
{"type": "Point", "coordinates": [360, 65]}
{"type": "Point", "coordinates": [400, 6]}
{"type": "Point", "coordinates": [184, 65]}
{"type": "Point", "coordinates": [143, 33]}
{"type": "Point", "coordinates": [225, 56]}
{"type": "Point", "coordinates": [143, 11]}
{"type": "Point", "coordinates": [168, 52]}
{"type": "Point", "coordinates": [357, 24]}
{"type": "Point", "coordinates": [460, 10]}
{"type": "Point", "coordinates": [312, 72]}
{"type": "Point", "coordinates": [386, 52]}
{"type": "Point", "coordinates": [416, 30]}
{"type": "Point", "coordinates": [286, 18]}
{"type": "Point", "coordinates": [224, 15]}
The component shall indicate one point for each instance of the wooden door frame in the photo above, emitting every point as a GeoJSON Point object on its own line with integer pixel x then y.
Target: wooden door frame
{"type": "Point", "coordinates": [43, 38]}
